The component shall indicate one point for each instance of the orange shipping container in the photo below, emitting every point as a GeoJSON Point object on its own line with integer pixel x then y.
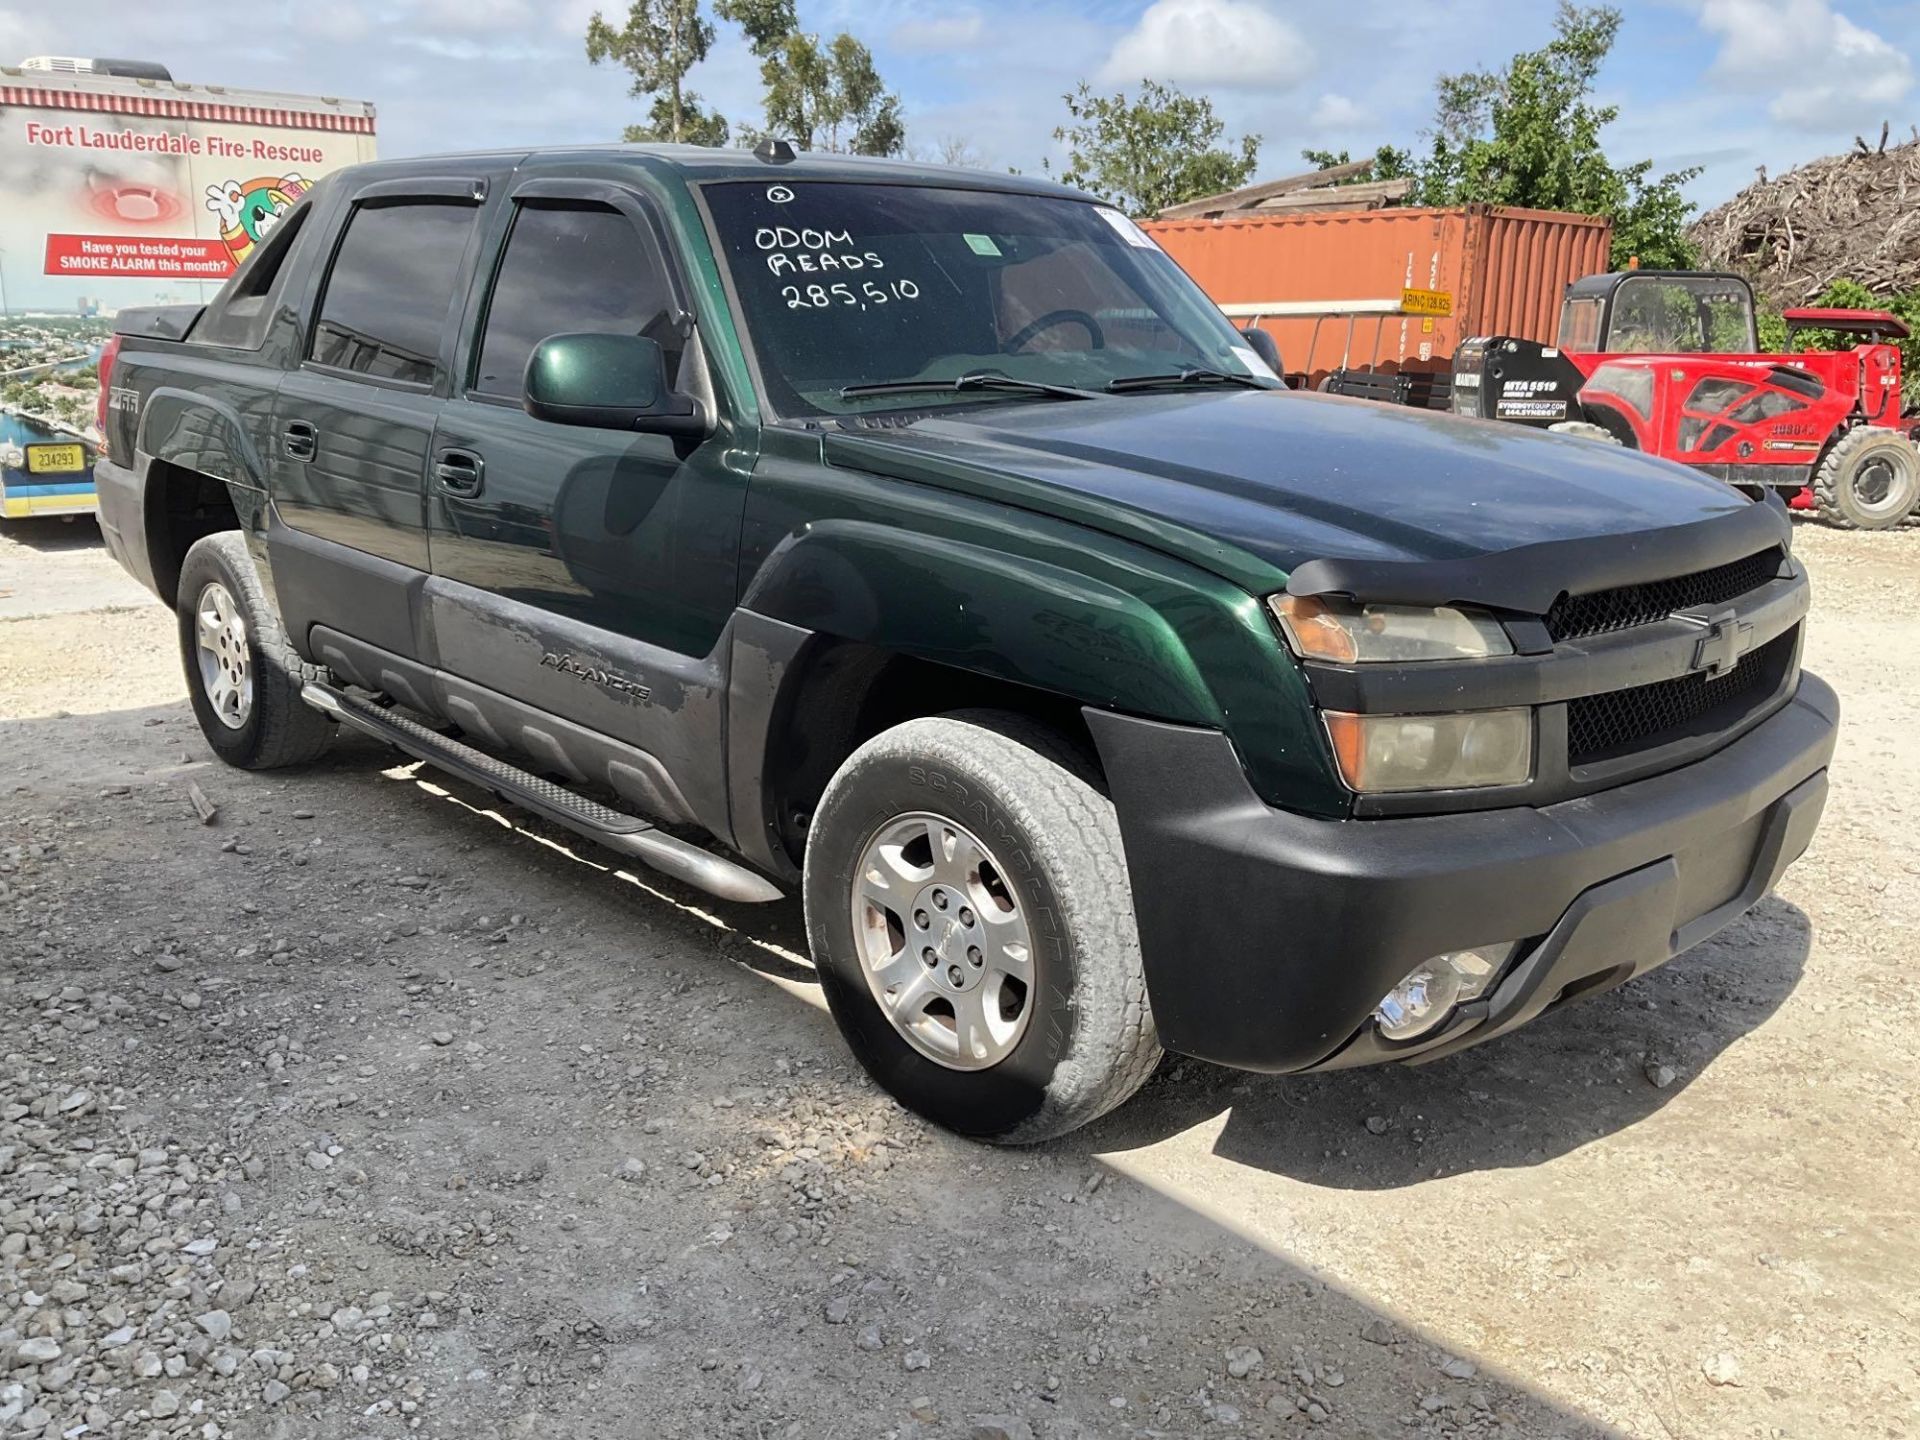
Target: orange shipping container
{"type": "Point", "coordinates": [1503, 271]}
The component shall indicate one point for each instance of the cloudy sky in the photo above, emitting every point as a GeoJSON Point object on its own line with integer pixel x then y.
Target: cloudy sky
{"type": "Point", "coordinates": [1699, 82]}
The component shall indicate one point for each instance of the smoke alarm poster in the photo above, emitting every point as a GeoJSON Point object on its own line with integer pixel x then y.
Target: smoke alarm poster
{"type": "Point", "coordinates": [117, 199]}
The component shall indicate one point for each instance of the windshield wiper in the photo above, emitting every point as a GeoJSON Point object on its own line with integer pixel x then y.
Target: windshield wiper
{"type": "Point", "coordinates": [1192, 376]}
{"type": "Point", "coordinates": [972, 380]}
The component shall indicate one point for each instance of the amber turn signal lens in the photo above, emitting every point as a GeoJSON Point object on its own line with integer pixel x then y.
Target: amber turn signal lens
{"type": "Point", "coordinates": [1330, 628]}
{"type": "Point", "coordinates": [1384, 753]}
{"type": "Point", "coordinates": [1313, 629]}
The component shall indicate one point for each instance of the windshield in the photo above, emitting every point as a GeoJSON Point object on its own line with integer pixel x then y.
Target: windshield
{"type": "Point", "coordinates": [843, 285]}
{"type": "Point", "coordinates": [1674, 315]}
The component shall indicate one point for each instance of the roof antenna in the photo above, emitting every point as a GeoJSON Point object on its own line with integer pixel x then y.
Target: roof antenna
{"type": "Point", "coordinates": [772, 150]}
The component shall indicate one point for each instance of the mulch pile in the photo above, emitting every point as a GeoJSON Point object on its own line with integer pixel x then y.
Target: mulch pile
{"type": "Point", "coordinates": [1854, 216]}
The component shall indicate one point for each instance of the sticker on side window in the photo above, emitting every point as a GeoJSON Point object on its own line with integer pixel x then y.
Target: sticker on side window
{"type": "Point", "coordinates": [1125, 228]}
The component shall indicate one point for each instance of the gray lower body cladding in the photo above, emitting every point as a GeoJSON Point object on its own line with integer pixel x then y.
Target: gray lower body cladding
{"type": "Point", "coordinates": [1268, 937]}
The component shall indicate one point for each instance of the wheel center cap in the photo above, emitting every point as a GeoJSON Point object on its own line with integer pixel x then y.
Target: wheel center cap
{"type": "Point", "coordinates": [948, 949]}
{"type": "Point", "coordinates": [952, 947]}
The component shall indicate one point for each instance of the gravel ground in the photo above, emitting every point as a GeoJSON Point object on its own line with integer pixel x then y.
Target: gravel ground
{"type": "Point", "coordinates": [370, 1110]}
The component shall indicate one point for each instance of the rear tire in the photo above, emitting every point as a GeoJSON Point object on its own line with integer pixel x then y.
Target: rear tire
{"type": "Point", "coordinates": [1869, 480]}
{"type": "Point", "coordinates": [1018, 815]}
{"type": "Point", "coordinates": [1585, 429]}
{"type": "Point", "coordinates": [242, 673]}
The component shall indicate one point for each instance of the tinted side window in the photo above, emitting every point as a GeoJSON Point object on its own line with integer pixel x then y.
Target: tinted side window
{"type": "Point", "coordinates": [571, 269]}
{"type": "Point", "coordinates": [392, 283]}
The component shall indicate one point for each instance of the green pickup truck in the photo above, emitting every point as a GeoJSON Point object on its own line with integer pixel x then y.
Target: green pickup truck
{"type": "Point", "coordinates": [924, 541]}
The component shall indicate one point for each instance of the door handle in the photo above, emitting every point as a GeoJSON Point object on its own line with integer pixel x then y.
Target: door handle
{"type": "Point", "coordinates": [300, 441]}
{"type": "Point", "coordinates": [460, 472]}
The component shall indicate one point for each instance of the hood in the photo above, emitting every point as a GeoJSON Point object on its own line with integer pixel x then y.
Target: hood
{"type": "Point", "coordinates": [1255, 485]}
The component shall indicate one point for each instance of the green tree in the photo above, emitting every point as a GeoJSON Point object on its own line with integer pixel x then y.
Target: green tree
{"type": "Point", "coordinates": [766, 23]}
{"type": "Point", "coordinates": [1144, 155]}
{"type": "Point", "coordinates": [661, 41]}
{"type": "Point", "coordinates": [1530, 135]}
{"type": "Point", "coordinates": [820, 95]}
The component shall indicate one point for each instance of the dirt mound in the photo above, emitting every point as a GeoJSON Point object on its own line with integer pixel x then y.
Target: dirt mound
{"type": "Point", "coordinates": [1854, 216]}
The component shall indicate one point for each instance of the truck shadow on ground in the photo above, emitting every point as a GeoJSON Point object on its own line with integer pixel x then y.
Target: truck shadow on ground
{"type": "Point", "coordinates": [513, 1122]}
{"type": "Point", "coordinates": [1596, 1067]}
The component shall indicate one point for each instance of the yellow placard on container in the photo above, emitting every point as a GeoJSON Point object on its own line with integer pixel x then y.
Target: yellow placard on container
{"type": "Point", "coordinates": [56, 459]}
{"type": "Point", "coordinates": [1426, 302]}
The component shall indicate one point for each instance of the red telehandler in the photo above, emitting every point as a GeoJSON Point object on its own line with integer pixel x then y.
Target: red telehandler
{"type": "Point", "coordinates": [1668, 361]}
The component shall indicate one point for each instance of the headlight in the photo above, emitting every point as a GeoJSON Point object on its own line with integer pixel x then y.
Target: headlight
{"type": "Point", "coordinates": [1432, 752]}
{"type": "Point", "coordinates": [1324, 628]}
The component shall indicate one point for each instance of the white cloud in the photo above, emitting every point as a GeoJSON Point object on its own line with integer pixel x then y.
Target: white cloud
{"type": "Point", "coordinates": [482, 15]}
{"type": "Point", "coordinates": [1211, 42]}
{"type": "Point", "coordinates": [1819, 67]}
{"type": "Point", "coordinates": [960, 31]}
{"type": "Point", "coordinates": [341, 20]}
{"type": "Point", "coordinates": [1336, 112]}
{"type": "Point", "coordinates": [15, 37]}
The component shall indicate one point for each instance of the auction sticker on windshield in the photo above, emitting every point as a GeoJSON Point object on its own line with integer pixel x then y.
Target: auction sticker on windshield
{"type": "Point", "coordinates": [1255, 365]}
{"type": "Point", "coordinates": [1125, 228]}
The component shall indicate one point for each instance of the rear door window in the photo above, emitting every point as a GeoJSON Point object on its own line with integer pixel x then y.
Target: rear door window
{"type": "Point", "coordinates": [391, 288]}
{"type": "Point", "coordinates": [572, 268]}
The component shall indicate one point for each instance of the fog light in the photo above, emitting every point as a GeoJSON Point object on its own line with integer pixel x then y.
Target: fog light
{"type": "Point", "coordinates": [1435, 988]}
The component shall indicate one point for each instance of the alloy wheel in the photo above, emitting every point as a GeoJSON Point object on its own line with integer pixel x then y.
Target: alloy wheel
{"type": "Point", "coordinates": [226, 661]}
{"type": "Point", "coordinates": [944, 943]}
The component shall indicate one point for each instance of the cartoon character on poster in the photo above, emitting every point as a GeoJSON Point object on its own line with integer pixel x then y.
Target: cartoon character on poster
{"type": "Point", "coordinates": [249, 209]}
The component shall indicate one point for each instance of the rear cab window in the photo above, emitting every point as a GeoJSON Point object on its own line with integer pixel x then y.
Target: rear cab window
{"type": "Point", "coordinates": [238, 317]}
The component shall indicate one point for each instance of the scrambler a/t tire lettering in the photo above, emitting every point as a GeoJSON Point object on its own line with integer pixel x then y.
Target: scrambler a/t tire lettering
{"type": "Point", "coordinates": [970, 916]}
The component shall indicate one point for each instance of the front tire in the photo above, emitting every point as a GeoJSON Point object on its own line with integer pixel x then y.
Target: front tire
{"type": "Point", "coordinates": [1869, 480]}
{"type": "Point", "coordinates": [242, 673]}
{"type": "Point", "coordinates": [983, 841]}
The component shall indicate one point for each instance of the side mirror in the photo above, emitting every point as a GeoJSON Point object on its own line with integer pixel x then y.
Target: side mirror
{"type": "Point", "coordinates": [1264, 345]}
{"type": "Point", "coordinates": [614, 382]}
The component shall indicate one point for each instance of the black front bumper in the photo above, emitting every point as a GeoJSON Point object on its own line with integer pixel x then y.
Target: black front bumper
{"type": "Point", "coordinates": [1269, 937]}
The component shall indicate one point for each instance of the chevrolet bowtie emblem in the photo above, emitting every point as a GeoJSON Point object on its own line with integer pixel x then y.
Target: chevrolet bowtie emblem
{"type": "Point", "coordinates": [1719, 650]}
